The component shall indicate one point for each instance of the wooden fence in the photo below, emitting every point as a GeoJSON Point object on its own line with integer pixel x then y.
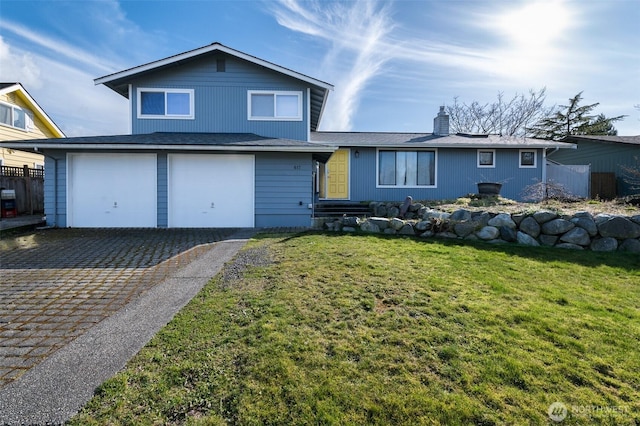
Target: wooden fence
{"type": "Point", "coordinates": [29, 186]}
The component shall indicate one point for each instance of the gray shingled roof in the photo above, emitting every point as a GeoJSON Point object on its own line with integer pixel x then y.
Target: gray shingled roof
{"type": "Point", "coordinates": [169, 138]}
{"type": "Point", "coordinates": [246, 142]}
{"type": "Point", "coordinates": [429, 140]}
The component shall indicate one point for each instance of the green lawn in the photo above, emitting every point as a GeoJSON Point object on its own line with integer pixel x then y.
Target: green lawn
{"type": "Point", "coordinates": [363, 329]}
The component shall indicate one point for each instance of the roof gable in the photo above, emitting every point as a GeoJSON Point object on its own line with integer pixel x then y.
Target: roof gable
{"type": "Point", "coordinates": [119, 81]}
{"type": "Point", "coordinates": [22, 93]}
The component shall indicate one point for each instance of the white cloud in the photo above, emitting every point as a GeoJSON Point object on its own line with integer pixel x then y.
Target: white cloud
{"type": "Point", "coordinates": [66, 93]}
{"type": "Point", "coordinates": [357, 35]}
{"type": "Point", "coordinates": [18, 67]}
{"type": "Point", "coordinates": [57, 47]}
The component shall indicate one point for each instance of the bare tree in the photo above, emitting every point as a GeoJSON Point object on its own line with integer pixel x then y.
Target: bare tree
{"type": "Point", "coordinates": [504, 117]}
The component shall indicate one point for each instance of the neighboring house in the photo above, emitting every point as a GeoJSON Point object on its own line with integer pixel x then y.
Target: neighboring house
{"type": "Point", "coordinates": [607, 156]}
{"type": "Point", "coordinates": [428, 166]}
{"type": "Point", "coordinates": [224, 139]}
{"type": "Point", "coordinates": [22, 118]}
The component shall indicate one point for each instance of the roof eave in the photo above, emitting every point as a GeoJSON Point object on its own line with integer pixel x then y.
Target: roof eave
{"type": "Point", "coordinates": [200, 51]}
{"type": "Point", "coordinates": [159, 147]}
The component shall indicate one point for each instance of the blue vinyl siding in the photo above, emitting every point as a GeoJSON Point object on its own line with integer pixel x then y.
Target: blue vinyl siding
{"type": "Point", "coordinates": [220, 99]}
{"type": "Point", "coordinates": [162, 196]}
{"type": "Point", "coordinates": [283, 182]}
{"type": "Point", "coordinates": [55, 189]}
{"type": "Point", "coordinates": [456, 175]}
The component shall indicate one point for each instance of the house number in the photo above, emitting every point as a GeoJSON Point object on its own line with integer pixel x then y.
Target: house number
{"type": "Point", "coordinates": [297, 167]}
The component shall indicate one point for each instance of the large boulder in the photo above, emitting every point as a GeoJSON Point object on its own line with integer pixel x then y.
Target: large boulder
{"type": "Point", "coordinates": [369, 226]}
{"type": "Point", "coordinates": [406, 229]}
{"type": "Point", "coordinates": [619, 227]}
{"type": "Point", "coordinates": [482, 218]}
{"type": "Point", "coordinates": [508, 234]}
{"type": "Point", "coordinates": [460, 215]}
{"type": "Point", "coordinates": [548, 240]}
{"type": "Point", "coordinates": [586, 223]}
{"type": "Point", "coordinates": [557, 226]}
{"type": "Point", "coordinates": [577, 236]}
{"type": "Point", "coordinates": [463, 229]}
{"type": "Point", "coordinates": [543, 216]}
{"type": "Point", "coordinates": [569, 246]}
{"type": "Point", "coordinates": [436, 214]}
{"type": "Point", "coordinates": [630, 245]}
{"type": "Point", "coordinates": [530, 226]}
{"type": "Point", "coordinates": [636, 219]}
{"type": "Point", "coordinates": [502, 219]}
{"type": "Point", "coordinates": [380, 222]}
{"type": "Point", "coordinates": [423, 225]}
{"type": "Point", "coordinates": [488, 233]}
{"type": "Point", "coordinates": [393, 211]}
{"type": "Point", "coordinates": [396, 223]}
{"type": "Point", "coordinates": [526, 239]}
{"type": "Point", "coordinates": [604, 244]}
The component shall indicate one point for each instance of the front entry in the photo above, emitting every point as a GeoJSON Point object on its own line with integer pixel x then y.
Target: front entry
{"type": "Point", "coordinates": [334, 176]}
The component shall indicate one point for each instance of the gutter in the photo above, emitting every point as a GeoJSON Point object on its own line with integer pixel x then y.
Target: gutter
{"type": "Point", "coordinates": [145, 147]}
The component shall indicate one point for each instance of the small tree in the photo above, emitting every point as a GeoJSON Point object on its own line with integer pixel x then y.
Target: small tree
{"type": "Point", "coordinates": [503, 117]}
{"type": "Point", "coordinates": [574, 119]}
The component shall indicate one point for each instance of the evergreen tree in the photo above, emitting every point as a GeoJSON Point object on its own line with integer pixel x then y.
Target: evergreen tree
{"type": "Point", "coordinates": [574, 119]}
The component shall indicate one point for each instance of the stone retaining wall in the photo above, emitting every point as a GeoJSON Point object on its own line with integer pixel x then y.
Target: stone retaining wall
{"type": "Point", "coordinates": [580, 231]}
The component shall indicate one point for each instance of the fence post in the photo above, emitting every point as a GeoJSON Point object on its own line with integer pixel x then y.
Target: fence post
{"type": "Point", "coordinates": [27, 185]}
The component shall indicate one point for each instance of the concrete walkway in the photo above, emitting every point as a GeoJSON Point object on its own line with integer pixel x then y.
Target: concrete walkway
{"type": "Point", "coordinates": [53, 390]}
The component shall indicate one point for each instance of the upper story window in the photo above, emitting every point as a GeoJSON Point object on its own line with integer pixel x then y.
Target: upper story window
{"type": "Point", "coordinates": [165, 103]}
{"type": "Point", "coordinates": [406, 168]}
{"type": "Point", "coordinates": [527, 158]}
{"type": "Point", "coordinates": [275, 105]}
{"type": "Point", "coordinates": [487, 158]}
{"type": "Point", "coordinates": [14, 116]}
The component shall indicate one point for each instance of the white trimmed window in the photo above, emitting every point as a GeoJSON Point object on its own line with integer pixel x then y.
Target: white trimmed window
{"type": "Point", "coordinates": [14, 116]}
{"type": "Point", "coordinates": [487, 158]}
{"type": "Point", "coordinates": [274, 105]}
{"type": "Point", "coordinates": [165, 103]}
{"type": "Point", "coordinates": [528, 158]}
{"type": "Point", "coordinates": [408, 169]}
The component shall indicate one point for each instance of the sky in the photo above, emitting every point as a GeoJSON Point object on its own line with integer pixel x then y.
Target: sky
{"type": "Point", "coordinates": [393, 63]}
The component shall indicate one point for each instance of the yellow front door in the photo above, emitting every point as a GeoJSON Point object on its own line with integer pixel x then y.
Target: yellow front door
{"type": "Point", "coordinates": [337, 171]}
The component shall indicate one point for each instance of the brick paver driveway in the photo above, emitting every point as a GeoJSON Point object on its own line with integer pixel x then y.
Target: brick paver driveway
{"type": "Point", "coordinates": [56, 284]}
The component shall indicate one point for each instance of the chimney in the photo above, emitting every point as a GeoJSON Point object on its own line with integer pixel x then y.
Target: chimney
{"type": "Point", "coordinates": [441, 123]}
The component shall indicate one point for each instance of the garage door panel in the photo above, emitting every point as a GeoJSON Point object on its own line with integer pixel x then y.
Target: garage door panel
{"type": "Point", "coordinates": [208, 190]}
{"type": "Point", "coordinates": [112, 190]}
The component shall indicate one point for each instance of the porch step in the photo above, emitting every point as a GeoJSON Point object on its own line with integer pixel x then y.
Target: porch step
{"type": "Point", "coordinates": [324, 209]}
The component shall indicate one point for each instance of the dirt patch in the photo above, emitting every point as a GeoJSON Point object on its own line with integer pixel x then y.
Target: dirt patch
{"type": "Point", "coordinates": [235, 270]}
{"type": "Point", "coordinates": [503, 205]}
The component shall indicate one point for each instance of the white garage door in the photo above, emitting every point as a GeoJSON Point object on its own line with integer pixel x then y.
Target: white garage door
{"type": "Point", "coordinates": [112, 190]}
{"type": "Point", "coordinates": [211, 191]}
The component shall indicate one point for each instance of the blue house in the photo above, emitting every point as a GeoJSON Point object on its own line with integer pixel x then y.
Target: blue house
{"type": "Point", "coordinates": [220, 138]}
{"type": "Point", "coordinates": [428, 166]}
